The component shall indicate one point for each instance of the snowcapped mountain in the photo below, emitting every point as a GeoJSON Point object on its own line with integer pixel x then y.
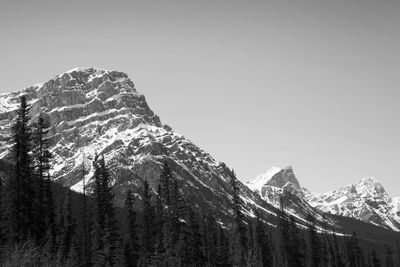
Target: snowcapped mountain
{"type": "Point", "coordinates": [98, 111]}
{"type": "Point", "coordinates": [274, 183]}
{"type": "Point", "coordinates": [365, 201]}
{"type": "Point", "coordinates": [281, 187]}
{"type": "Point", "coordinates": [261, 180]}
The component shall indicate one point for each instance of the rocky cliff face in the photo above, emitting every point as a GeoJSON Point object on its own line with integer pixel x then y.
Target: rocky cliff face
{"type": "Point", "coordinates": [97, 111]}
{"type": "Point", "coordinates": [283, 178]}
{"type": "Point", "coordinates": [365, 201]}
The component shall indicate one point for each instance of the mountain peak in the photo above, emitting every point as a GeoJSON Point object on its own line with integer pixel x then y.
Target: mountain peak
{"type": "Point", "coordinates": [275, 177]}
{"type": "Point", "coordinates": [262, 179]}
{"type": "Point", "coordinates": [88, 74]}
{"type": "Point", "coordinates": [370, 185]}
{"type": "Point", "coordinates": [84, 69]}
{"type": "Point", "coordinates": [369, 180]}
{"type": "Point", "coordinates": [283, 177]}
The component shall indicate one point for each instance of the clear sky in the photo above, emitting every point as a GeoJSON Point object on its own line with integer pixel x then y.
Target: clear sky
{"type": "Point", "coordinates": [312, 84]}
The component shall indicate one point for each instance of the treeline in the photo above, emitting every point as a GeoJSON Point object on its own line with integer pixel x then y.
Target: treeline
{"type": "Point", "coordinates": [43, 225]}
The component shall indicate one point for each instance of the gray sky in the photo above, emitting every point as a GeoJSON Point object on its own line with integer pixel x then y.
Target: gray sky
{"type": "Point", "coordinates": [312, 84]}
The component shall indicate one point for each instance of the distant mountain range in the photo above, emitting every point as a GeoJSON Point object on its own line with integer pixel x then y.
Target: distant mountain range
{"type": "Point", "coordinates": [365, 201]}
{"type": "Point", "coordinates": [94, 111]}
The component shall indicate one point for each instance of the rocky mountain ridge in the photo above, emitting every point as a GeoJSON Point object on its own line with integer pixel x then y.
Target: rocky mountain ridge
{"type": "Point", "coordinates": [366, 201]}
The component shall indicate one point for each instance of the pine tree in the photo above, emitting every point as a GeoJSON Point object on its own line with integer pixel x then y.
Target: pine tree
{"type": "Point", "coordinates": [112, 244]}
{"type": "Point", "coordinates": [291, 240]}
{"type": "Point", "coordinates": [241, 239]}
{"type": "Point", "coordinates": [178, 205]}
{"type": "Point", "coordinates": [182, 248]}
{"type": "Point", "coordinates": [43, 203]}
{"type": "Point", "coordinates": [67, 224]}
{"type": "Point", "coordinates": [166, 180]}
{"type": "Point", "coordinates": [338, 261]}
{"type": "Point", "coordinates": [250, 235]}
{"type": "Point", "coordinates": [19, 186]}
{"type": "Point", "coordinates": [106, 232]}
{"type": "Point", "coordinates": [222, 249]}
{"type": "Point", "coordinates": [315, 243]}
{"type": "Point", "coordinates": [2, 215]}
{"type": "Point", "coordinates": [131, 247]}
{"type": "Point", "coordinates": [195, 254]}
{"type": "Point", "coordinates": [254, 256]}
{"type": "Point", "coordinates": [284, 228]}
{"type": "Point", "coordinates": [325, 256]}
{"type": "Point", "coordinates": [99, 214]}
{"type": "Point", "coordinates": [296, 256]}
{"type": "Point", "coordinates": [397, 252]}
{"type": "Point", "coordinates": [87, 226]}
{"type": "Point", "coordinates": [374, 259]}
{"type": "Point", "coordinates": [354, 252]}
{"type": "Point", "coordinates": [388, 256]}
{"type": "Point", "coordinates": [330, 260]}
{"type": "Point", "coordinates": [210, 235]}
{"type": "Point", "coordinates": [146, 241]}
{"type": "Point", "coordinates": [174, 236]}
{"type": "Point", "coordinates": [73, 258]}
{"type": "Point", "coordinates": [157, 258]}
{"type": "Point", "coordinates": [262, 241]}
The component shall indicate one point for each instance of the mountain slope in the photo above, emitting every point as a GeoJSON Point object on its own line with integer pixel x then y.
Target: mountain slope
{"type": "Point", "coordinates": [97, 111]}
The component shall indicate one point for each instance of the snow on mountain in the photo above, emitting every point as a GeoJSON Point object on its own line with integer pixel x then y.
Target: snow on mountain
{"type": "Point", "coordinates": [99, 111]}
{"type": "Point", "coordinates": [366, 201]}
{"type": "Point", "coordinates": [396, 205]}
{"type": "Point", "coordinates": [280, 187]}
{"type": "Point", "coordinates": [262, 179]}
{"type": "Point", "coordinates": [274, 183]}
{"type": "Point", "coordinates": [283, 178]}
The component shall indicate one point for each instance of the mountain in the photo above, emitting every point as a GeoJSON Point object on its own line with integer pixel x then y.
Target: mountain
{"type": "Point", "coordinates": [261, 180]}
{"type": "Point", "coordinates": [365, 201]}
{"type": "Point", "coordinates": [280, 187]}
{"type": "Point", "coordinates": [93, 111]}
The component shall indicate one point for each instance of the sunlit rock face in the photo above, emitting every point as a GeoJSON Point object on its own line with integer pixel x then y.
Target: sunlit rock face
{"type": "Point", "coordinates": [92, 111]}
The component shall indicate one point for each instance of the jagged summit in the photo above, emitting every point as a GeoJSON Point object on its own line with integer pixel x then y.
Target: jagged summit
{"type": "Point", "coordinates": [84, 69]}
{"type": "Point", "coordinates": [283, 177]}
{"type": "Point", "coordinates": [275, 177]}
{"type": "Point", "coordinates": [366, 200]}
{"type": "Point", "coordinates": [82, 106]}
{"type": "Point", "coordinates": [370, 185]}
{"type": "Point", "coordinates": [262, 179]}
